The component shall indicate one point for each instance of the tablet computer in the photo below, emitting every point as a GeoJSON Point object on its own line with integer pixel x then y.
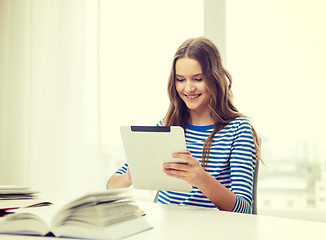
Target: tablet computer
{"type": "Point", "coordinates": [146, 149]}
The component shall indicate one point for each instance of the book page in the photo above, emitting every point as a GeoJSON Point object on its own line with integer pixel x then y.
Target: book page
{"type": "Point", "coordinates": [29, 221]}
{"type": "Point", "coordinates": [46, 213]}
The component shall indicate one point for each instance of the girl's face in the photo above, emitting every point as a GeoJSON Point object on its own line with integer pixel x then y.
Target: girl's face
{"type": "Point", "coordinates": [190, 85]}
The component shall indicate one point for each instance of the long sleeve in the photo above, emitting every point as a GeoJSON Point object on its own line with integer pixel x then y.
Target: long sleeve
{"type": "Point", "coordinates": [242, 166]}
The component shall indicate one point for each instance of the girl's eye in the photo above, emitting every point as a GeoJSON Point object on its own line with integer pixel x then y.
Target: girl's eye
{"type": "Point", "coordinates": [180, 79]}
{"type": "Point", "coordinates": [198, 79]}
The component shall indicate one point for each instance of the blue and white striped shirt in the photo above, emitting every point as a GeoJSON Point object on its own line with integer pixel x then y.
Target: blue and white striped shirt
{"type": "Point", "coordinates": [232, 161]}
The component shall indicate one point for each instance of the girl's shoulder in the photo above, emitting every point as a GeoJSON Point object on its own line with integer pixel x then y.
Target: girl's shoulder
{"type": "Point", "coordinates": [240, 121]}
{"type": "Point", "coordinates": [236, 125]}
{"type": "Point", "coordinates": [160, 123]}
{"type": "Point", "coordinates": [239, 125]}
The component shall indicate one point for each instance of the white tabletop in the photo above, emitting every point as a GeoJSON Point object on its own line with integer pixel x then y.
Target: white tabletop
{"type": "Point", "coordinates": [171, 222]}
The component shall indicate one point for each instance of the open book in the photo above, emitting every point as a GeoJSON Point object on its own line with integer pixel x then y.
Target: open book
{"type": "Point", "coordinates": [110, 214]}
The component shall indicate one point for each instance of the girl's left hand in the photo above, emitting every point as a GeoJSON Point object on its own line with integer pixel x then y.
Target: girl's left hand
{"type": "Point", "coordinates": [192, 171]}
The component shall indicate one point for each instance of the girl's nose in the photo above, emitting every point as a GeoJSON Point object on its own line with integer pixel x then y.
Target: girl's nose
{"type": "Point", "coordinates": [189, 87]}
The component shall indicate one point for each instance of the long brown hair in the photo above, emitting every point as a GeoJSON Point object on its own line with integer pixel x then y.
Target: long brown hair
{"type": "Point", "coordinates": [218, 82]}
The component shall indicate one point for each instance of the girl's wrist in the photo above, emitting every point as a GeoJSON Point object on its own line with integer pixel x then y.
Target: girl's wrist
{"type": "Point", "coordinates": [203, 180]}
{"type": "Point", "coordinates": [127, 179]}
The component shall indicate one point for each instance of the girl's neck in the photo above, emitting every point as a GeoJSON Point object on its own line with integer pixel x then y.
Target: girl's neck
{"type": "Point", "coordinates": [201, 119]}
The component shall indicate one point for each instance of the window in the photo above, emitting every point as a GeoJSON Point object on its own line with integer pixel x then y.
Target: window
{"type": "Point", "coordinates": [137, 42]}
{"type": "Point", "coordinates": [275, 54]}
{"type": "Point", "coordinates": [274, 51]}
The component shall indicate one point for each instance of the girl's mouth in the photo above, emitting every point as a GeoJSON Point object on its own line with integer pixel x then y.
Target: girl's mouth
{"type": "Point", "coordinates": [192, 96]}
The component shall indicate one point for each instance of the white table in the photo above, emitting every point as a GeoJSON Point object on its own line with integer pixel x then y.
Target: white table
{"type": "Point", "coordinates": [172, 222]}
{"type": "Point", "coordinates": [183, 223]}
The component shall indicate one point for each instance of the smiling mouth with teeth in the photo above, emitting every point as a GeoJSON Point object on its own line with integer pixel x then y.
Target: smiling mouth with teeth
{"type": "Point", "coordinates": [192, 96]}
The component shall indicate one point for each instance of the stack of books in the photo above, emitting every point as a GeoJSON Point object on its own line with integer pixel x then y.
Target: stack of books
{"type": "Point", "coordinates": [14, 197]}
{"type": "Point", "coordinates": [9, 192]}
{"type": "Point", "coordinates": [110, 214]}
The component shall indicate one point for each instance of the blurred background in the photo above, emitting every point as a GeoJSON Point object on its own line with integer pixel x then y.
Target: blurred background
{"type": "Point", "coordinates": [73, 71]}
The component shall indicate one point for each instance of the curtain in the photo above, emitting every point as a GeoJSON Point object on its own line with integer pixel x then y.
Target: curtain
{"type": "Point", "coordinates": [49, 95]}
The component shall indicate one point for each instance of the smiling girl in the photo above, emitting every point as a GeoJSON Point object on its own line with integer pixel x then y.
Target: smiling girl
{"type": "Point", "coordinates": [222, 145]}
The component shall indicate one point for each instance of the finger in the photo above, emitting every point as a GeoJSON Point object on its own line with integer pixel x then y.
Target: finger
{"type": "Point", "coordinates": [176, 166]}
{"type": "Point", "coordinates": [175, 173]}
{"type": "Point", "coordinates": [179, 155]}
{"type": "Point", "coordinates": [185, 156]}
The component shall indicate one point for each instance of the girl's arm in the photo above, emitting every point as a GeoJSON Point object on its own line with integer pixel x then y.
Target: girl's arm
{"type": "Point", "coordinates": [120, 180]}
{"type": "Point", "coordinates": [242, 165]}
{"type": "Point", "coordinates": [194, 174]}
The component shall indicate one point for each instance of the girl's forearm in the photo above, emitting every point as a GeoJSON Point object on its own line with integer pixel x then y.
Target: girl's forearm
{"type": "Point", "coordinates": [222, 197]}
{"type": "Point", "coordinates": [119, 181]}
